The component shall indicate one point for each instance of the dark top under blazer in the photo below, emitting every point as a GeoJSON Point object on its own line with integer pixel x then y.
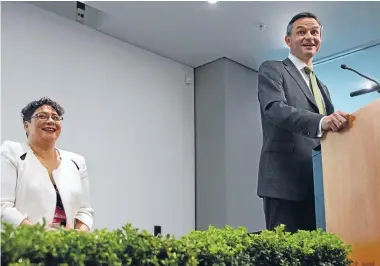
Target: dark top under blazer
{"type": "Point", "coordinates": [290, 122]}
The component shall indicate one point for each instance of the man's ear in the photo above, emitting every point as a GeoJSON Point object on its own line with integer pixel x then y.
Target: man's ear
{"type": "Point", "coordinates": [287, 40]}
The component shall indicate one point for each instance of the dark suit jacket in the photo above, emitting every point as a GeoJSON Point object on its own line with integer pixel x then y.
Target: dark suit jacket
{"type": "Point", "coordinates": [290, 122]}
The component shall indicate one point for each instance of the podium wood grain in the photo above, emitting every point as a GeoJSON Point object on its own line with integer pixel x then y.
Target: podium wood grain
{"type": "Point", "coordinates": [351, 177]}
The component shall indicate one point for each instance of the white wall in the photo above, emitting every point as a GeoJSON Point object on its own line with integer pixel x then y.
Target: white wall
{"type": "Point", "coordinates": [228, 146]}
{"type": "Point", "coordinates": [128, 112]}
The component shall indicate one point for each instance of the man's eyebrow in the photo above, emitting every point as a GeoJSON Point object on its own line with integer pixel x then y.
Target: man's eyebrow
{"type": "Point", "coordinates": [313, 27]}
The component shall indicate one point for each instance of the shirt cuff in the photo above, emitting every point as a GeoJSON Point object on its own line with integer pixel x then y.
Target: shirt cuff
{"type": "Point", "coordinates": [320, 131]}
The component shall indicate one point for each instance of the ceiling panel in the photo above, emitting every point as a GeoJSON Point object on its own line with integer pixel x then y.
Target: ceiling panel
{"type": "Point", "coordinates": [196, 32]}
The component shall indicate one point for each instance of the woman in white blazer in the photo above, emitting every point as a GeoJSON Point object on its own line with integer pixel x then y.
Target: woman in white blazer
{"type": "Point", "coordinates": [40, 181]}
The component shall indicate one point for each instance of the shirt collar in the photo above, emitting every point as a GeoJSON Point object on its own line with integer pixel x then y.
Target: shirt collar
{"type": "Point", "coordinates": [297, 62]}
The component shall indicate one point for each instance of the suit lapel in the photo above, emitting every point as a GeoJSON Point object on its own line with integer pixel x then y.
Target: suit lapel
{"type": "Point", "coordinates": [293, 71]}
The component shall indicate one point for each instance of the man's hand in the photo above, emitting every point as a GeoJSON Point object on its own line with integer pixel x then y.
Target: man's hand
{"type": "Point", "coordinates": [335, 122]}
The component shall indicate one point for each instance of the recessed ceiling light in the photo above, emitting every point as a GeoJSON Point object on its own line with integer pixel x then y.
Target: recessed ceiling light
{"type": "Point", "coordinates": [212, 1]}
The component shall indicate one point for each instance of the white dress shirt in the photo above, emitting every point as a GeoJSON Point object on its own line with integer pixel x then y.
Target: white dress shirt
{"type": "Point", "coordinates": [300, 65]}
{"type": "Point", "coordinates": [27, 191]}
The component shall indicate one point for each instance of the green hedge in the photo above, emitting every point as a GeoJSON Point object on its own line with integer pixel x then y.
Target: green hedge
{"type": "Point", "coordinates": [129, 246]}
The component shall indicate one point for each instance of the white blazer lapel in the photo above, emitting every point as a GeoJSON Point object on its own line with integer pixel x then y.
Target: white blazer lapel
{"type": "Point", "coordinates": [67, 180]}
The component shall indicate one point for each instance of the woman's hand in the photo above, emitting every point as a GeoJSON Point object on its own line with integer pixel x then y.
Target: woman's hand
{"type": "Point", "coordinates": [80, 226]}
{"type": "Point", "coordinates": [52, 227]}
{"type": "Point", "coordinates": [26, 222]}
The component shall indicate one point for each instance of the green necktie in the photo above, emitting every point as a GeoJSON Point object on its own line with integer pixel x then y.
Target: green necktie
{"type": "Point", "coordinates": [316, 91]}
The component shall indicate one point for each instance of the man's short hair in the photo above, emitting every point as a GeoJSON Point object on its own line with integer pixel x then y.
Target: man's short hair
{"type": "Point", "coordinates": [299, 16]}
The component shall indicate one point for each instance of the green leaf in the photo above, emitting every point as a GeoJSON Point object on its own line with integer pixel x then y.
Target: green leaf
{"type": "Point", "coordinates": [131, 246]}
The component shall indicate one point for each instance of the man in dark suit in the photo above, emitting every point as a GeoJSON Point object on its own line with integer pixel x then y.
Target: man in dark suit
{"type": "Point", "coordinates": [296, 110]}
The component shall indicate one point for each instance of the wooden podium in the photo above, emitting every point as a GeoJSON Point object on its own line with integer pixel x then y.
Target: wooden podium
{"type": "Point", "coordinates": [347, 184]}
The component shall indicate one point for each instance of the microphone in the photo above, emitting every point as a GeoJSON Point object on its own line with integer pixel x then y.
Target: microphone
{"type": "Point", "coordinates": [363, 91]}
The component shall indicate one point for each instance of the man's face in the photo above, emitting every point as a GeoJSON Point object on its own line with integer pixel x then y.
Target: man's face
{"type": "Point", "coordinates": [305, 39]}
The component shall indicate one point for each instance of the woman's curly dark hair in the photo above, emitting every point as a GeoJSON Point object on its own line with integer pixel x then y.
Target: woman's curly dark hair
{"type": "Point", "coordinates": [29, 110]}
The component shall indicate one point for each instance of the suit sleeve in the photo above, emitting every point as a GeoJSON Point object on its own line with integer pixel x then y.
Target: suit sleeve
{"type": "Point", "coordinates": [86, 212]}
{"type": "Point", "coordinates": [9, 213]}
{"type": "Point", "coordinates": [274, 106]}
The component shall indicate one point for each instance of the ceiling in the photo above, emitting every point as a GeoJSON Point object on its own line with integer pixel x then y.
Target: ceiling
{"type": "Point", "coordinates": [197, 32]}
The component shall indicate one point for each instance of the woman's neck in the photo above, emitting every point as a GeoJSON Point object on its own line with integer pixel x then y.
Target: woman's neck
{"type": "Point", "coordinates": [43, 151]}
